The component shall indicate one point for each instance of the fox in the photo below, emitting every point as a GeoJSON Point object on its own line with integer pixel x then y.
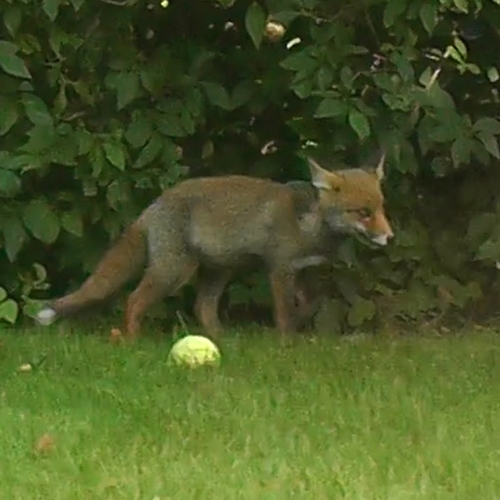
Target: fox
{"type": "Point", "coordinates": [209, 226]}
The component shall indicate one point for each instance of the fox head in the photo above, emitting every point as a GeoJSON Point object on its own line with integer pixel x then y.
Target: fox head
{"type": "Point", "coordinates": [351, 201]}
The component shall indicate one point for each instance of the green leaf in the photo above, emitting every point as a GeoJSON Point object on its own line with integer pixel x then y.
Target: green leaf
{"type": "Point", "coordinates": [9, 310]}
{"type": "Point", "coordinates": [139, 130]}
{"type": "Point", "coordinates": [481, 227]}
{"type": "Point", "coordinates": [14, 65]}
{"type": "Point", "coordinates": [8, 48]}
{"type": "Point", "coordinates": [356, 49]}
{"type": "Point", "coordinates": [89, 186]}
{"type": "Point", "coordinates": [242, 93]}
{"type": "Point", "coordinates": [405, 69]}
{"type": "Point", "coordinates": [22, 162]}
{"type": "Point", "coordinates": [77, 4]}
{"type": "Point", "coordinates": [150, 152]}
{"type": "Point", "coordinates": [301, 61]}
{"type": "Point", "coordinates": [304, 87]}
{"type": "Point", "coordinates": [428, 16]}
{"type": "Point", "coordinates": [187, 121]}
{"type": "Point", "coordinates": [193, 100]}
{"type": "Point", "coordinates": [157, 72]}
{"type": "Point", "coordinates": [492, 74]}
{"type": "Point", "coordinates": [490, 143]}
{"type": "Point", "coordinates": [51, 8]}
{"type": "Point", "coordinates": [489, 250]}
{"type": "Point", "coordinates": [461, 47]}
{"type": "Point", "coordinates": [83, 90]}
{"type": "Point", "coordinates": [462, 5]}
{"type": "Point", "coordinates": [128, 86]}
{"type": "Point", "coordinates": [41, 221]}
{"type": "Point", "coordinates": [460, 152]}
{"type": "Point", "coordinates": [10, 183]}
{"type": "Point", "coordinates": [3, 294]}
{"type": "Point", "coordinates": [452, 52]}
{"type": "Point", "coordinates": [115, 154]}
{"type": "Point", "coordinates": [285, 16]}
{"type": "Point", "coordinates": [41, 138]}
{"type": "Point", "coordinates": [439, 98]}
{"type": "Point", "coordinates": [397, 102]}
{"type": "Point", "coordinates": [255, 23]}
{"type": "Point", "coordinates": [359, 123]}
{"type": "Point", "coordinates": [40, 272]}
{"type": "Point", "coordinates": [12, 19]}
{"type": "Point", "coordinates": [322, 33]}
{"type": "Point", "coordinates": [10, 62]}
{"type": "Point", "coordinates": [171, 125]}
{"type": "Point", "coordinates": [324, 77]}
{"type": "Point", "coordinates": [72, 223]}
{"type": "Point", "coordinates": [385, 82]}
{"type": "Point", "coordinates": [64, 152]}
{"type": "Point", "coordinates": [425, 77]}
{"type": "Point", "coordinates": [487, 125]}
{"type": "Point", "coordinates": [217, 95]}
{"type": "Point", "coordinates": [61, 100]}
{"type": "Point", "coordinates": [473, 68]}
{"type": "Point", "coordinates": [116, 195]}
{"type": "Point", "coordinates": [347, 77]}
{"type": "Point", "coordinates": [14, 235]}
{"type": "Point", "coordinates": [330, 107]}
{"type": "Point", "coordinates": [84, 140]}
{"type": "Point", "coordinates": [8, 114]}
{"type": "Point", "coordinates": [37, 110]}
{"type": "Point", "coordinates": [393, 9]}
{"type": "Point", "coordinates": [480, 152]}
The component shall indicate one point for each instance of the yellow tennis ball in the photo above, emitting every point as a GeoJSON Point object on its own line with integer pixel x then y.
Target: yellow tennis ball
{"type": "Point", "coordinates": [194, 351]}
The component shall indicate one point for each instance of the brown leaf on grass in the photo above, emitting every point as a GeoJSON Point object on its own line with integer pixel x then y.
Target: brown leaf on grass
{"type": "Point", "coordinates": [115, 336]}
{"type": "Point", "coordinates": [45, 444]}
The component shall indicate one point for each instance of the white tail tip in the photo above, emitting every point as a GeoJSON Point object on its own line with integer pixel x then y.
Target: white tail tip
{"type": "Point", "coordinates": [46, 316]}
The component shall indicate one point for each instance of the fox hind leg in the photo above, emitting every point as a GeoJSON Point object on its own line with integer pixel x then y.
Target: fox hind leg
{"type": "Point", "coordinates": [155, 284]}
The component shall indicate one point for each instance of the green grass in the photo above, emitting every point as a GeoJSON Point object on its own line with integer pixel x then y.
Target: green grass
{"type": "Point", "coordinates": [371, 418]}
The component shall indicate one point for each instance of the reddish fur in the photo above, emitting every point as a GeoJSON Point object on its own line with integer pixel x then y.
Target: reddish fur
{"type": "Point", "coordinates": [361, 190]}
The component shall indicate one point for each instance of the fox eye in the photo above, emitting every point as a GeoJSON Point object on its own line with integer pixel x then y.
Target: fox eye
{"type": "Point", "coordinates": [365, 212]}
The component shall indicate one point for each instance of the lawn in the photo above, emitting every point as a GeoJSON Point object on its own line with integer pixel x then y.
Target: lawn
{"type": "Point", "coordinates": [356, 418]}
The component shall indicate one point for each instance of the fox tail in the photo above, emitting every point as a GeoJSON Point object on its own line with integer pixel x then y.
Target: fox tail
{"type": "Point", "coordinates": [122, 262]}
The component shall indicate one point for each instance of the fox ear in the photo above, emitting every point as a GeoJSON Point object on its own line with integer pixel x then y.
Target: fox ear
{"type": "Point", "coordinates": [379, 170]}
{"type": "Point", "coordinates": [321, 178]}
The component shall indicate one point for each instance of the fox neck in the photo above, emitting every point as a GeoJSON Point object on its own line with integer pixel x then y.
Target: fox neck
{"type": "Point", "coordinates": [317, 236]}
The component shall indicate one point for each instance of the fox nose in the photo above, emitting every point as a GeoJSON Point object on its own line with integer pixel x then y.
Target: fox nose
{"type": "Point", "coordinates": [383, 238]}
{"type": "Point", "coordinates": [383, 232]}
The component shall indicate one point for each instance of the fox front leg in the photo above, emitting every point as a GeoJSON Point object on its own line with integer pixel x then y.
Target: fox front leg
{"type": "Point", "coordinates": [285, 311]}
{"type": "Point", "coordinates": [305, 291]}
